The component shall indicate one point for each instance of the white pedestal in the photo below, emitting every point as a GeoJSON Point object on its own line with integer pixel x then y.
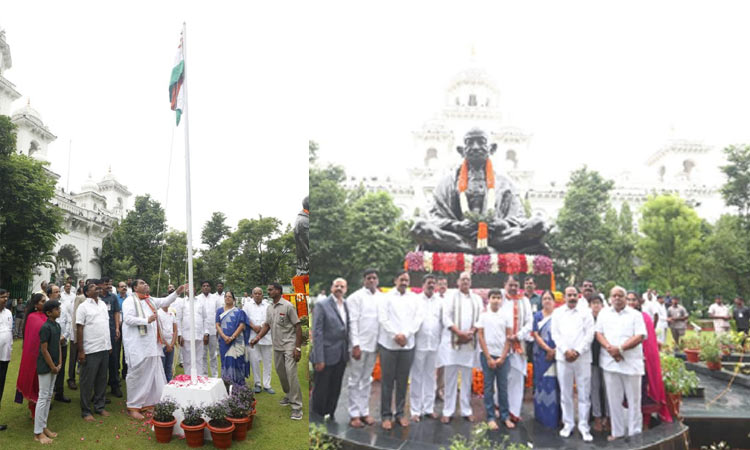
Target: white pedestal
{"type": "Point", "coordinates": [205, 392]}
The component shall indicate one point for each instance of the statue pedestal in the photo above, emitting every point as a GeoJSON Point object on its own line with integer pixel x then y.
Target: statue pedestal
{"type": "Point", "coordinates": [487, 271]}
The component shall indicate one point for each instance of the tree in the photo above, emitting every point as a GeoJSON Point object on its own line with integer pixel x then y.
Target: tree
{"type": "Point", "coordinates": [727, 260]}
{"type": "Point", "coordinates": [29, 223]}
{"type": "Point", "coordinates": [215, 230]}
{"type": "Point", "coordinates": [173, 257]}
{"type": "Point", "coordinates": [736, 191]}
{"type": "Point", "coordinates": [671, 246]}
{"type": "Point", "coordinates": [579, 241]}
{"type": "Point", "coordinates": [313, 152]}
{"type": "Point", "coordinates": [620, 249]}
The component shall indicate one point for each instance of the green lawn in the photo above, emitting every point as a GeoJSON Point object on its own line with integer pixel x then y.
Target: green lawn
{"type": "Point", "coordinates": [272, 428]}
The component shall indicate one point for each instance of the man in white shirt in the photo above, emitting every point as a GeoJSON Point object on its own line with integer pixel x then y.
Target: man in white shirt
{"type": "Point", "coordinates": [6, 342]}
{"type": "Point", "coordinates": [422, 391]}
{"type": "Point", "coordinates": [213, 343]}
{"type": "Point", "coordinates": [363, 334]}
{"type": "Point", "coordinates": [620, 331]}
{"type": "Point", "coordinates": [660, 320]}
{"type": "Point", "coordinates": [719, 312]}
{"type": "Point", "coordinates": [573, 332]}
{"type": "Point", "coordinates": [202, 326]}
{"type": "Point", "coordinates": [400, 317]}
{"type": "Point", "coordinates": [458, 346]}
{"type": "Point", "coordinates": [493, 339]}
{"type": "Point", "coordinates": [68, 294]}
{"type": "Point", "coordinates": [142, 340]}
{"type": "Point", "coordinates": [518, 309]}
{"type": "Point", "coordinates": [256, 310]}
{"type": "Point", "coordinates": [94, 344]}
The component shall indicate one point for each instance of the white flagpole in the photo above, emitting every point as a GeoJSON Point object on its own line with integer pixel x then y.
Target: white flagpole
{"type": "Point", "coordinates": [191, 290]}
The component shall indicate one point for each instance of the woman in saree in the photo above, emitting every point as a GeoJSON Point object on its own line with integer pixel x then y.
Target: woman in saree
{"type": "Point", "coordinates": [653, 397]}
{"type": "Point", "coordinates": [27, 385]}
{"type": "Point", "coordinates": [546, 389]}
{"type": "Point", "coordinates": [233, 330]}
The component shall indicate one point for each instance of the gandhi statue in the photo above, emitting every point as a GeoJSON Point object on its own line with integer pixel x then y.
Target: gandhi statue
{"type": "Point", "coordinates": [477, 210]}
{"type": "Point", "coordinates": [302, 238]}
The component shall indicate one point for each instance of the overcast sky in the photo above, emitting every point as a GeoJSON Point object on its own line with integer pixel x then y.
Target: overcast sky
{"type": "Point", "coordinates": [594, 82]}
{"type": "Point", "coordinates": [98, 73]}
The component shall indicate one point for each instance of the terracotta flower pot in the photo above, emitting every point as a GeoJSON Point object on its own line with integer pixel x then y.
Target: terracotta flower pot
{"type": "Point", "coordinates": [250, 417]}
{"type": "Point", "coordinates": [194, 433]}
{"type": "Point", "coordinates": [673, 404]}
{"type": "Point", "coordinates": [692, 355]}
{"type": "Point", "coordinates": [240, 428]}
{"type": "Point", "coordinates": [714, 365]}
{"type": "Point", "coordinates": [163, 430]}
{"type": "Point", "coordinates": [222, 437]}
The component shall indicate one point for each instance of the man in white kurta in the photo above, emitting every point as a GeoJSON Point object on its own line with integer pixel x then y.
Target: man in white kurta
{"type": "Point", "coordinates": [422, 390]}
{"type": "Point", "coordinates": [518, 310]}
{"type": "Point", "coordinates": [573, 332]}
{"type": "Point", "coordinates": [184, 326]}
{"type": "Point", "coordinates": [363, 334]}
{"type": "Point", "coordinates": [255, 308]}
{"type": "Point", "coordinates": [620, 331]}
{"type": "Point", "coordinates": [143, 347]}
{"type": "Point", "coordinates": [458, 346]}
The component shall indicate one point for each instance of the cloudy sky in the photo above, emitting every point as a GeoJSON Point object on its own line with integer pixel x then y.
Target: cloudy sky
{"type": "Point", "coordinates": [601, 83]}
{"type": "Point", "coordinates": [98, 72]}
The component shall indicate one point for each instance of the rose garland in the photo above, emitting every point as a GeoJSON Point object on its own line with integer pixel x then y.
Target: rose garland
{"type": "Point", "coordinates": [511, 263]}
{"type": "Point", "coordinates": [489, 199]}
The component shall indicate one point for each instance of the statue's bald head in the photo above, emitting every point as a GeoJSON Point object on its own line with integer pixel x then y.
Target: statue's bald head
{"type": "Point", "coordinates": [476, 146]}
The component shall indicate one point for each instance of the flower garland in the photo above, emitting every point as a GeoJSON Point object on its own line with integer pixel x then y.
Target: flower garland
{"type": "Point", "coordinates": [489, 199]}
{"type": "Point", "coordinates": [510, 263]}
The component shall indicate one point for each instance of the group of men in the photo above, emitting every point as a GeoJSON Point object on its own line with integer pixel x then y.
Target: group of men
{"type": "Point", "coordinates": [436, 337]}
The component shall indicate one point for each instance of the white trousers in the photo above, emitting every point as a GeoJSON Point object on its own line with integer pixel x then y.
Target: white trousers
{"type": "Point", "coordinates": [630, 386]}
{"type": "Point", "coordinates": [451, 388]}
{"type": "Point", "coordinates": [145, 382]}
{"type": "Point", "coordinates": [46, 387]}
{"type": "Point", "coordinates": [262, 353]}
{"type": "Point", "coordinates": [200, 359]}
{"type": "Point", "coordinates": [516, 380]}
{"type": "Point", "coordinates": [423, 381]}
{"type": "Point", "coordinates": [578, 372]}
{"type": "Point", "coordinates": [661, 335]}
{"type": "Point", "coordinates": [213, 355]}
{"type": "Point", "coordinates": [359, 384]}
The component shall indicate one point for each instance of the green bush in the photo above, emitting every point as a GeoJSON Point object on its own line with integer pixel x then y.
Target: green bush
{"type": "Point", "coordinates": [677, 378]}
{"type": "Point", "coordinates": [320, 440]}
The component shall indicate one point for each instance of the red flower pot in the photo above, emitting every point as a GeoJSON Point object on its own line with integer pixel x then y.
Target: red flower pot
{"type": "Point", "coordinates": [222, 436]}
{"type": "Point", "coordinates": [240, 428]}
{"type": "Point", "coordinates": [252, 414]}
{"type": "Point", "coordinates": [714, 365]}
{"type": "Point", "coordinates": [692, 355]}
{"type": "Point", "coordinates": [673, 404]}
{"type": "Point", "coordinates": [194, 433]}
{"type": "Point", "coordinates": [163, 430]}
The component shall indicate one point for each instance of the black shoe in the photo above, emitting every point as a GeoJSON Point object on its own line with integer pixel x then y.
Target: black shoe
{"type": "Point", "coordinates": [107, 401]}
{"type": "Point", "coordinates": [116, 391]}
{"type": "Point", "coordinates": [3, 427]}
{"type": "Point", "coordinates": [62, 398]}
{"type": "Point", "coordinates": [72, 384]}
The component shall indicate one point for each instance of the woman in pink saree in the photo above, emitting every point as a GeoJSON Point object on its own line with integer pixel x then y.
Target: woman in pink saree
{"type": "Point", "coordinates": [27, 385]}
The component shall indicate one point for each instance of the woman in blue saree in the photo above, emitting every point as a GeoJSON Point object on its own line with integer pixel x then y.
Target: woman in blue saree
{"type": "Point", "coordinates": [233, 330]}
{"type": "Point", "coordinates": [546, 389]}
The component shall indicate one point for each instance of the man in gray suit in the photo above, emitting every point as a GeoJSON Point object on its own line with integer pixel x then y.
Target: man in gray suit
{"type": "Point", "coordinates": [330, 348]}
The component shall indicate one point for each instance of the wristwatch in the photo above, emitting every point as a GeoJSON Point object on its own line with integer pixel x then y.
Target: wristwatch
{"type": "Point", "coordinates": [622, 350]}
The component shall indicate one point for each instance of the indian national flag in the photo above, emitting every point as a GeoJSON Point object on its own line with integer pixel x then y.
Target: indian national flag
{"type": "Point", "coordinates": [176, 96]}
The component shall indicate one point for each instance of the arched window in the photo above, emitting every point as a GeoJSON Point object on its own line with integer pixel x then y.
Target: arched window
{"type": "Point", "coordinates": [33, 147]}
{"type": "Point", "coordinates": [687, 167]}
{"type": "Point", "coordinates": [472, 100]}
{"type": "Point", "coordinates": [510, 156]}
{"type": "Point", "coordinates": [662, 171]}
{"type": "Point", "coordinates": [430, 157]}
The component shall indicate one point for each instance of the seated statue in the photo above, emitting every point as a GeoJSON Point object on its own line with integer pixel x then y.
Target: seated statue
{"type": "Point", "coordinates": [478, 211]}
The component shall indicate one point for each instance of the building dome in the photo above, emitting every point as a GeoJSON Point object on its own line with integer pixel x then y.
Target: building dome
{"type": "Point", "coordinates": [28, 111]}
{"type": "Point", "coordinates": [89, 185]}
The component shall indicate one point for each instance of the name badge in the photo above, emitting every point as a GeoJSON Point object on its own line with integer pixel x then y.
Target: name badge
{"type": "Point", "coordinates": [109, 307]}
{"type": "Point", "coordinates": [739, 315]}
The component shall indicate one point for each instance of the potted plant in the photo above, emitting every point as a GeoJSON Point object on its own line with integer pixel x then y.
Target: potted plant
{"type": "Point", "coordinates": [691, 344]}
{"type": "Point", "coordinates": [221, 429]}
{"type": "Point", "coordinates": [193, 424]}
{"type": "Point", "coordinates": [710, 351]}
{"type": "Point", "coordinates": [727, 342]}
{"type": "Point", "coordinates": [678, 380]}
{"type": "Point", "coordinates": [237, 413]}
{"type": "Point", "coordinates": [164, 420]}
{"type": "Point", "coordinates": [246, 396]}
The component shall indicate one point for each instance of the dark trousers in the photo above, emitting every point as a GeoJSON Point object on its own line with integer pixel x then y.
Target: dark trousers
{"type": "Point", "coordinates": [167, 360]}
{"type": "Point", "coordinates": [60, 378]}
{"type": "Point", "coordinates": [394, 368]}
{"type": "Point", "coordinates": [3, 371]}
{"type": "Point", "coordinates": [327, 388]}
{"type": "Point", "coordinates": [73, 354]}
{"type": "Point", "coordinates": [123, 363]}
{"type": "Point", "coordinates": [93, 382]}
{"type": "Point", "coordinates": [114, 363]}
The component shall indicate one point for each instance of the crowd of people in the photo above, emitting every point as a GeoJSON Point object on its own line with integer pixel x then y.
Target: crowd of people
{"type": "Point", "coordinates": [89, 327]}
{"type": "Point", "coordinates": [429, 342]}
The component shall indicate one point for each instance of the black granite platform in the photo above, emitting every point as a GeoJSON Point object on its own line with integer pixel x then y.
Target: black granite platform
{"type": "Point", "coordinates": [431, 434]}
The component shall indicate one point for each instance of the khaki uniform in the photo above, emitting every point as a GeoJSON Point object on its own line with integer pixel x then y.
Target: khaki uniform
{"type": "Point", "coordinates": [282, 319]}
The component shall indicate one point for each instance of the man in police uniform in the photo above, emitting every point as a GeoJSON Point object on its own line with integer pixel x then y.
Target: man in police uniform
{"type": "Point", "coordinates": [286, 339]}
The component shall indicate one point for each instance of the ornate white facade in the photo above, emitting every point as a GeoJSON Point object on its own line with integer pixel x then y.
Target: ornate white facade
{"type": "Point", "coordinates": [689, 169]}
{"type": "Point", "coordinates": [89, 215]}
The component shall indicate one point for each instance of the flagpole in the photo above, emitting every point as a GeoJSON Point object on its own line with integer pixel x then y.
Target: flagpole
{"type": "Point", "coordinates": [191, 290]}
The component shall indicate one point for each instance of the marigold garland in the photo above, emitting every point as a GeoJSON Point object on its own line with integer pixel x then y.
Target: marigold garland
{"type": "Point", "coordinates": [489, 199]}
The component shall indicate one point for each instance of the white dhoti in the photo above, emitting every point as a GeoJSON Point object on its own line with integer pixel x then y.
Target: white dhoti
{"type": "Point", "coordinates": [578, 372]}
{"type": "Point", "coordinates": [516, 378]}
{"type": "Point", "coordinates": [200, 360]}
{"type": "Point", "coordinates": [145, 382]}
{"type": "Point", "coordinates": [619, 384]}
{"type": "Point", "coordinates": [359, 384]}
{"type": "Point", "coordinates": [422, 387]}
{"type": "Point", "coordinates": [262, 353]}
{"type": "Point", "coordinates": [451, 388]}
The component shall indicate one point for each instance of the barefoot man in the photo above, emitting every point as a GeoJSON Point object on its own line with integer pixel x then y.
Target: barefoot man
{"type": "Point", "coordinates": [143, 347]}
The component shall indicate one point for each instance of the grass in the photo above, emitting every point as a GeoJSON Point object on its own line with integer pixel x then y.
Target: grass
{"type": "Point", "coordinates": [272, 427]}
